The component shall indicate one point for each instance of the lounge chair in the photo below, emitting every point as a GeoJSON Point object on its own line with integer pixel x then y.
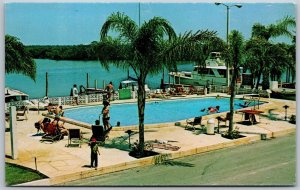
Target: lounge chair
{"type": "Point", "coordinates": [99, 133]}
{"type": "Point", "coordinates": [74, 137]}
{"type": "Point", "coordinates": [21, 113]}
{"type": "Point", "coordinates": [223, 119]}
{"type": "Point", "coordinates": [35, 104]}
{"type": "Point", "coordinates": [192, 123]}
{"type": "Point", "coordinates": [52, 138]}
{"type": "Point", "coordinates": [56, 136]}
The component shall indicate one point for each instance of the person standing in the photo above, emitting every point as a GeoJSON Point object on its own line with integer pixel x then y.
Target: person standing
{"type": "Point", "coordinates": [94, 153]}
{"type": "Point", "coordinates": [75, 94]}
{"type": "Point", "coordinates": [105, 115]}
{"type": "Point", "coordinates": [110, 90]}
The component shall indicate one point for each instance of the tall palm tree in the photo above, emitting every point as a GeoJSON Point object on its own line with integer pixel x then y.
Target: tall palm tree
{"type": "Point", "coordinates": [148, 49]}
{"type": "Point", "coordinates": [291, 70]}
{"type": "Point", "coordinates": [282, 27]}
{"type": "Point", "coordinates": [17, 59]}
{"type": "Point", "coordinates": [264, 57]}
{"type": "Point", "coordinates": [235, 56]}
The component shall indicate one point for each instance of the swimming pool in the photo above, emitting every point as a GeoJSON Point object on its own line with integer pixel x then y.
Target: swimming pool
{"type": "Point", "coordinates": [155, 112]}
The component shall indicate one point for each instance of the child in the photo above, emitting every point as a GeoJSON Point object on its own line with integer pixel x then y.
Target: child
{"type": "Point", "coordinates": [94, 153]}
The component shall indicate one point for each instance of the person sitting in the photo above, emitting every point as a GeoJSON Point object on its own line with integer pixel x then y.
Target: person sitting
{"type": "Point", "coordinates": [50, 127]}
{"type": "Point", "coordinates": [51, 108]}
{"type": "Point", "coordinates": [213, 109]}
{"type": "Point", "coordinates": [58, 112]}
{"type": "Point", "coordinates": [179, 90]}
{"type": "Point", "coordinates": [191, 89]}
{"type": "Point", "coordinates": [98, 131]}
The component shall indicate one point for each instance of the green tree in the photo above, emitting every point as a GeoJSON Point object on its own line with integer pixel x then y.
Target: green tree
{"type": "Point", "coordinates": [291, 70]}
{"type": "Point", "coordinates": [17, 59]}
{"type": "Point", "coordinates": [282, 27]}
{"type": "Point", "coordinates": [147, 50]}
{"type": "Point", "coordinates": [263, 58]}
{"type": "Point", "coordinates": [235, 56]}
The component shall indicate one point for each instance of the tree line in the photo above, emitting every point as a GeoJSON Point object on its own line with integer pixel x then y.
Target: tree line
{"type": "Point", "coordinates": [63, 52]}
{"type": "Point", "coordinates": [110, 49]}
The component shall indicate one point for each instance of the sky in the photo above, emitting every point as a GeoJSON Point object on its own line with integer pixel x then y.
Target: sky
{"type": "Point", "coordinates": [80, 23]}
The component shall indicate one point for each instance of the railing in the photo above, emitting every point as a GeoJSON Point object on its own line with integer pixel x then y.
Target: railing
{"type": "Point", "coordinates": [238, 91]}
{"type": "Point", "coordinates": [65, 100]}
{"type": "Point", "coordinates": [220, 89]}
{"type": "Point", "coordinates": [94, 98]}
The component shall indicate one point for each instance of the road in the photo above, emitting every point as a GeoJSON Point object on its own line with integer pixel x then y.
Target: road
{"type": "Point", "coordinates": [269, 162]}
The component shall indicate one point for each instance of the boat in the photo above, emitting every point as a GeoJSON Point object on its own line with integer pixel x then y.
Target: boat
{"type": "Point", "coordinates": [213, 73]}
{"type": "Point", "coordinates": [18, 98]}
{"type": "Point", "coordinates": [12, 95]}
{"type": "Point", "coordinates": [84, 90]}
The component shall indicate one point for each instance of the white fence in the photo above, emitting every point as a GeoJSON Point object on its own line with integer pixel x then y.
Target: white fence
{"type": "Point", "coordinates": [65, 100]}
{"type": "Point", "coordinates": [224, 89]}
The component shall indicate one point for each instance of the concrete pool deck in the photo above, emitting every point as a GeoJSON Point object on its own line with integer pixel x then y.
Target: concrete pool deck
{"type": "Point", "coordinates": [62, 164]}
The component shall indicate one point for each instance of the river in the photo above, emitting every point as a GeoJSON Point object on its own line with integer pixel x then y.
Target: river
{"type": "Point", "coordinates": [63, 74]}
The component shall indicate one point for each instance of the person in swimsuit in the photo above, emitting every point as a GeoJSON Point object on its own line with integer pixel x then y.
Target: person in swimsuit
{"type": "Point", "coordinates": [105, 115]}
{"type": "Point", "coordinates": [213, 109]}
{"type": "Point", "coordinates": [51, 127]}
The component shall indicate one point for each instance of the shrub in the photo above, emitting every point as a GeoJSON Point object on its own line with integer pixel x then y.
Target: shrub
{"type": "Point", "coordinates": [234, 134]}
{"type": "Point", "coordinates": [293, 119]}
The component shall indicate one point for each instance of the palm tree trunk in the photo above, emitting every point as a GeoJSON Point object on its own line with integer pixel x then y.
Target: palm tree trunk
{"type": "Point", "coordinates": [141, 111]}
{"type": "Point", "coordinates": [232, 96]}
{"type": "Point", "coordinates": [258, 78]}
{"type": "Point", "coordinates": [266, 80]}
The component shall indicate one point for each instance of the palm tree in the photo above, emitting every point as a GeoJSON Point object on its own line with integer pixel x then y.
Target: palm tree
{"type": "Point", "coordinates": [147, 50]}
{"type": "Point", "coordinates": [17, 59]}
{"type": "Point", "coordinates": [235, 55]}
{"type": "Point", "coordinates": [291, 68]}
{"type": "Point", "coordinates": [264, 57]}
{"type": "Point", "coordinates": [281, 28]}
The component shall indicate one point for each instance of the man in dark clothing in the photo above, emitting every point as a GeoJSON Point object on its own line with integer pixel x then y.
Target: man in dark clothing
{"type": "Point", "coordinates": [94, 153]}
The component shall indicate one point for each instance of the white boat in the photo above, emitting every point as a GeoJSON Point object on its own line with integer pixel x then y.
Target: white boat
{"type": "Point", "coordinates": [12, 95]}
{"type": "Point", "coordinates": [214, 72]}
{"type": "Point", "coordinates": [18, 98]}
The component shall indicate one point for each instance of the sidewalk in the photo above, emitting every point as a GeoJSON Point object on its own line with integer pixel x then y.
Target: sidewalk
{"type": "Point", "coordinates": [62, 164]}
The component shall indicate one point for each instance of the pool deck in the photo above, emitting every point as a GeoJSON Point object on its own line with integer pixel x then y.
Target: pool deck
{"type": "Point", "coordinates": [63, 164]}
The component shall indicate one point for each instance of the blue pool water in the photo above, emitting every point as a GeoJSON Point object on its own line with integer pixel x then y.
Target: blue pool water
{"type": "Point", "coordinates": [155, 112]}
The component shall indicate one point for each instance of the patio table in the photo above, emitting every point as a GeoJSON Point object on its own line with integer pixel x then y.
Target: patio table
{"type": "Point", "coordinates": [249, 115]}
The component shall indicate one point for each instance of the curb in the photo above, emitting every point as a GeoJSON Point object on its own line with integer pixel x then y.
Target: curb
{"type": "Point", "coordinates": [151, 160]}
{"type": "Point", "coordinates": [138, 163]}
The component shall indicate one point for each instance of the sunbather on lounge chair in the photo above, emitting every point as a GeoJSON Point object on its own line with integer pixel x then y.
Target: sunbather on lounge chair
{"type": "Point", "coordinates": [50, 127]}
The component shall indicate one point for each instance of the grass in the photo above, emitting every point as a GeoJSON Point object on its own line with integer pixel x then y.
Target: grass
{"type": "Point", "coordinates": [15, 174]}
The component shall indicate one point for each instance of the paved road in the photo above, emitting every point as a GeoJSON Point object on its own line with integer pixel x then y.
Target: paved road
{"type": "Point", "coordinates": [269, 162]}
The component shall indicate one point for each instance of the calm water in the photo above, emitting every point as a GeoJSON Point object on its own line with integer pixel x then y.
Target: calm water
{"type": "Point", "coordinates": [63, 74]}
{"type": "Point", "coordinates": [155, 112]}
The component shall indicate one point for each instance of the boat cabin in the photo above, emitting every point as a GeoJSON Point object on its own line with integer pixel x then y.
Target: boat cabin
{"type": "Point", "coordinates": [12, 95]}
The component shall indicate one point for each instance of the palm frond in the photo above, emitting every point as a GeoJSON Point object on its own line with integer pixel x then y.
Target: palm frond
{"type": "Point", "coordinates": [17, 59]}
{"type": "Point", "coordinates": [187, 43]}
{"type": "Point", "coordinates": [121, 23]}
